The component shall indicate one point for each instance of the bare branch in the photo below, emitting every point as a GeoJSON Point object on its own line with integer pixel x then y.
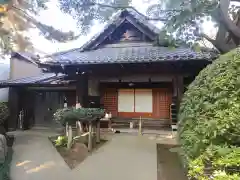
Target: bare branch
{"type": "Point", "coordinates": [221, 46]}
{"type": "Point", "coordinates": [225, 19]}
{"type": "Point", "coordinates": [49, 32]}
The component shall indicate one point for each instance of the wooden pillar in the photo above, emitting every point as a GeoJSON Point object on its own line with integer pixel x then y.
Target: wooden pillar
{"type": "Point", "coordinates": [178, 88]}
{"type": "Point", "coordinates": [94, 133]}
{"type": "Point", "coordinates": [82, 90]}
{"type": "Point", "coordinates": [93, 86]}
{"type": "Point", "coordinates": [140, 126]}
{"type": "Point", "coordinates": [98, 132]}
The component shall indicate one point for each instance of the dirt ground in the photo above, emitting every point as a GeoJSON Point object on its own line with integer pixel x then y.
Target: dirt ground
{"type": "Point", "coordinates": [77, 154]}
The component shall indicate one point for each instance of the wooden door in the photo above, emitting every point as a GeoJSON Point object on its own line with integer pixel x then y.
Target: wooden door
{"type": "Point", "coordinates": [110, 100]}
{"type": "Point", "coordinates": [162, 99]}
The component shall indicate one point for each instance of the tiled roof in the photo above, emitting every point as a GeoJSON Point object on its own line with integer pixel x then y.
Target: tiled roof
{"type": "Point", "coordinates": [46, 78]}
{"type": "Point", "coordinates": [135, 14]}
{"type": "Point", "coordinates": [129, 53]}
{"type": "Point", "coordinates": [92, 53]}
{"type": "Point", "coordinates": [26, 56]}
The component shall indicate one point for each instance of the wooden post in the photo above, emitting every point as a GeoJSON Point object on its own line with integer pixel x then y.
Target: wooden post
{"type": "Point", "coordinates": [178, 88]}
{"type": "Point", "coordinates": [82, 90]}
{"type": "Point", "coordinates": [94, 134]}
{"type": "Point", "coordinates": [79, 127]}
{"type": "Point", "coordinates": [98, 132]}
{"type": "Point", "coordinates": [109, 123]}
{"type": "Point", "coordinates": [140, 126]}
{"type": "Point", "coordinates": [66, 129]}
{"type": "Point", "coordinates": [70, 136]}
{"type": "Point", "coordinates": [90, 137]}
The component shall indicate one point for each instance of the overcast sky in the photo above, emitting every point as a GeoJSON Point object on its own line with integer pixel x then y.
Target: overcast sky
{"type": "Point", "coordinates": [53, 16]}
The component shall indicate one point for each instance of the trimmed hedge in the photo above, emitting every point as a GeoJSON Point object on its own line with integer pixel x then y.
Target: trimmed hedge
{"type": "Point", "coordinates": [210, 109]}
{"type": "Point", "coordinates": [4, 112]}
{"type": "Point", "coordinates": [71, 115]}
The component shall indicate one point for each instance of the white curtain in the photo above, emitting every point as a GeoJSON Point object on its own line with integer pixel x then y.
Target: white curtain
{"type": "Point", "coordinates": [126, 100]}
{"type": "Point", "coordinates": [143, 100]}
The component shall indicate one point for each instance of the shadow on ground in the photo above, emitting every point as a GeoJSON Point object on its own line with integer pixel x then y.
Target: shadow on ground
{"type": "Point", "coordinates": [5, 167]}
{"type": "Point", "coordinates": [168, 164]}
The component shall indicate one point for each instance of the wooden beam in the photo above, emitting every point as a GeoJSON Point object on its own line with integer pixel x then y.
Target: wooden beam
{"type": "Point", "coordinates": [82, 89]}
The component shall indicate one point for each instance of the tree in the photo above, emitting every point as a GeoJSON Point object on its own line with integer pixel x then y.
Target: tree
{"type": "Point", "coordinates": [18, 16]}
{"type": "Point", "coordinates": [184, 18]}
{"type": "Point", "coordinates": [187, 22]}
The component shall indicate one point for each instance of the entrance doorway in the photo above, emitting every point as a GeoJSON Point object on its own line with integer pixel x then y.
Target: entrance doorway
{"type": "Point", "coordinates": [46, 104]}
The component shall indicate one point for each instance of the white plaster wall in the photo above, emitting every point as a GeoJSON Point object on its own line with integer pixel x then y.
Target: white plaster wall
{"type": "Point", "coordinates": [21, 69]}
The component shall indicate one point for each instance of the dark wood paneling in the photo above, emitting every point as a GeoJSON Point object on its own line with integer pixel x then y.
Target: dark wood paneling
{"type": "Point", "coordinates": [13, 108]}
{"type": "Point", "coordinates": [82, 89]}
{"type": "Point", "coordinates": [71, 98]}
{"type": "Point", "coordinates": [162, 98]}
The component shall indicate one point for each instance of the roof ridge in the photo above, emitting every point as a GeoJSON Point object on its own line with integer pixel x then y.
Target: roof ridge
{"type": "Point", "coordinates": [135, 13]}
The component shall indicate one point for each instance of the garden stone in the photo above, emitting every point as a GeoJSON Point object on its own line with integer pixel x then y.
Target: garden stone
{"type": "Point", "coordinates": [3, 148]}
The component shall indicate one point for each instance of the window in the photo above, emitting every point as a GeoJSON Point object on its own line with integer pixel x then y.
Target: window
{"type": "Point", "coordinates": [126, 100]}
{"type": "Point", "coordinates": [143, 100]}
{"type": "Point", "coordinates": [135, 100]}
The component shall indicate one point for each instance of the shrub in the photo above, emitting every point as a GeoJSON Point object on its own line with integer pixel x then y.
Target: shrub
{"type": "Point", "coordinates": [59, 115]}
{"type": "Point", "coordinates": [61, 141]}
{"type": "Point", "coordinates": [210, 109]}
{"type": "Point", "coordinates": [217, 162]}
{"type": "Point", "coordinates": [4, 112]}
{"type": "Point", "coordinates": [71, 115]}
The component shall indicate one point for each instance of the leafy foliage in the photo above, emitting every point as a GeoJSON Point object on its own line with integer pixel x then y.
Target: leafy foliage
{"type": "Point", "coordinates": [209, 114]}
{"type": "Point", "coordinates": [86, 12]}
{"type": "Point", "coordinates": [59, 115]}
{"type": "Point", "coordinates": [20, 15]}
{"type": "Point", "coordinates": [71, 115]}
{"type": "Point", "coordinates": [4, 112]}
{"type": "Point", "coordinates": [183, 20]}
{"type": "Point", "coordinates": [218, 162]}
{"type": "Point", "coordinates": [61, 141]}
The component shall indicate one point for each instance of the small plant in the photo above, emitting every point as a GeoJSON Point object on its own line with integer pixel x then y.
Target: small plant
{"type": "Point", "coordinates": [61, 141]}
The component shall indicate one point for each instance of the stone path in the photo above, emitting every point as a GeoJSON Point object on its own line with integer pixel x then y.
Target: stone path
{"type": "Point", "coordinates": [123, 157]}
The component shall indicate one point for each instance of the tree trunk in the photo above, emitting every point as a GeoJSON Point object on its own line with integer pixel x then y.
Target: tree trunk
{"type": "Point", "coordinates": [70, 137]}
{"type": "Point", "coordinates": [66, 130]}
{"type": "Point", "coordinates": [79, 128]}
{"type": "Point", "coordinates": [90, 137]}
{"type": "Point", "coordinates": [98, 132]}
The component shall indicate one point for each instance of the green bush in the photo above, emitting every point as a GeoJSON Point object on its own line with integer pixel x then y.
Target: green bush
{"type": "Point", "coordinates": [4, 112]}
{"type": "Point", "coordinates": [210, 109]}
{"type": "Point", "coordinates": [71, 115]}
{"type": "Point", "coordinates": [218, 162]}
{"type": "Point", "coordinates": [58, 115]}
